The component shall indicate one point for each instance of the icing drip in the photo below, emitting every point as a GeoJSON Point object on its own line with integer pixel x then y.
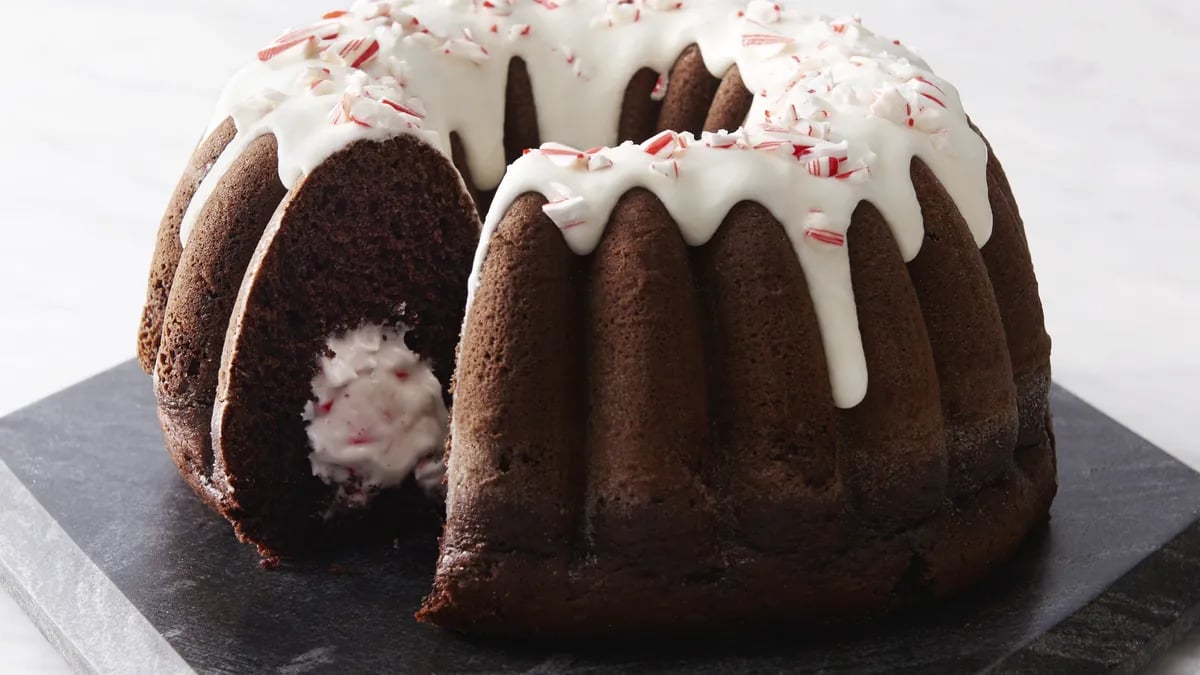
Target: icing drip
{"type": "Point", "coordinates": [378, 415]}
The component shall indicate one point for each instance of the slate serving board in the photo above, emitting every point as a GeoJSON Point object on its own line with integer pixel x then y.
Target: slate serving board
{"type": "Point", "coordinates": [125, 570]}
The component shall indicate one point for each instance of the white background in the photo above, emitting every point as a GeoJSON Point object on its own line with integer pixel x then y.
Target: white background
{"type": "Point", "coordinates": [1092, 107]}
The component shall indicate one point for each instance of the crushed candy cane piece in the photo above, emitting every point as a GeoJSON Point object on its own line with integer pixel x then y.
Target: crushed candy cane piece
{"type": "Point", "coordinates": [423, 39]}
{"type": "Point", "coordinates": [354, 53]}
{"type": "Point", "coordinates": [664, 144]}
{"type": "Point", "coordinates": [817, 227]}
{"type": "Point", "coordinates": [669, 168]}
{"type": "Point", "coordinates": [310, 37]}
{"type": "Point", "coordinates": [412, 109]}
{"type": "Point", "coordinates": [563, 155]}
{"type": "Point", "coordinates": [659, 92]}
{"type": "Point", "coordinates": [598, 160]}
{"type": "Point", "coordinates": [568, 212]}
{"type": "Point", "coordinates": [824, 167]}
{"type": "Point", "coordinates": [465, 49]}
{"type": "Point", "coordinates": [825, 236]}
{"type": "Point", "coordinates": [724, 139]}
{"type": "Point", "coordinates": [306, 48]}
{"type": "Point", "coordinates": [891, 105]}
{"type": "Point", "coordinates": [856, 176]}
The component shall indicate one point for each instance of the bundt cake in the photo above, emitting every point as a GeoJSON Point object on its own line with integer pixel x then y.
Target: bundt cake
{"type": "Point", "coordinates": [772, 349]}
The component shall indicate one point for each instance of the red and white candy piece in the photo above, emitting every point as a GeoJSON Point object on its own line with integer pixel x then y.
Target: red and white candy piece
{"type": "Point", "coordinates": [825, 236]}
{"type": "Point", "coordinates": [343, 113]}
{"type": "Point", "coordinates": [519, 30]}
{"type": "Point", "coordinates": [466, 49]}
{"type": "Point", "coordinates": [725, 139]}
{"type": "Point", "coordinates": [423, 39]}
{"type": "Point", "coordinates": [405, 22]}
{"type": "Point", "coordinates": [800, 133]}
{"type": "Point", "coordinates": [668, 168]}
{"type": "Point", "coordinates": [664, 144]}
{"type": "Point", "coordinates": [760, 39]}
{"type": "Point", "coordinates": [311, 36]}
{"type": "Point", "coordinates": [824, 167]}
{"type": "Point", "coordinates": [659, 92]}
{"type": "Point", "coordinates": [775, 145]}
{"type": "Point", "coordinates": [355, 53]}
{"type": "Point", "coordinates": [890, 104]}
{"type": "Point", "coordinates": [412, 109]}
{"type": "Point", "coordinates": [366, 110]}
{"type": "Point", "coordinates": [765, 45]}
{"type": "Point", "coordinates": [817, 228]}
{"type": "Point", "coordinates": [568, 212]}
{"type": "Point", "coordinates": [929, 91]}
{"type": "Point", "coordinates": [599, 160]}
{"type": "Point", "coordinates": [303, 49]}
{"type": "Point", "coordinates": [314, 73]}
{"type": "Point", "coordinates": [563, 155]}
{"type": "Point", "coordinates": [856, 176]}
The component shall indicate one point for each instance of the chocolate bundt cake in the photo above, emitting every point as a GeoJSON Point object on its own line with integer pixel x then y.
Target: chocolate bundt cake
{"type": "Point", "coordinates": [775, 352]}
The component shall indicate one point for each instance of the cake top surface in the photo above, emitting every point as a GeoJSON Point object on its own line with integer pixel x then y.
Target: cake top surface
{"type": "Point", "coordinates": [838, 115]}
{"type": "Point", "coordinates": [436, 67]}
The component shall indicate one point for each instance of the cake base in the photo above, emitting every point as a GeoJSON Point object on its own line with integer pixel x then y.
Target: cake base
{"type": "Point", "coordinates": [124, 569]}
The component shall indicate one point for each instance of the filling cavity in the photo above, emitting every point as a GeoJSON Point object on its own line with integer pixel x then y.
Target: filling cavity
{"type": "Point", "coordinates": [377, 416]}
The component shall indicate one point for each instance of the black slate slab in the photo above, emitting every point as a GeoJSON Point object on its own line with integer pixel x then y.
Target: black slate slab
{"type": "Point", "coordinates": [125, 570]}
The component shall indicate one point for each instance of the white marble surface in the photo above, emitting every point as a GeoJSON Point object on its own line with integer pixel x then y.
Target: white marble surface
{"type": "Point", "coordinates": [1092, 111]}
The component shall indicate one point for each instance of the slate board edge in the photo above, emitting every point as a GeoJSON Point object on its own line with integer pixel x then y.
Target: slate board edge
{"type": "Point", "coordinates": [94, 641]}
{"type": "Point", "coordinates": [1071, 647]}
{"type": "Point", "coordinates": [56, 611]}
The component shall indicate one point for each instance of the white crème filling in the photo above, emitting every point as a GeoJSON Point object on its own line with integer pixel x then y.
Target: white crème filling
{"type": "Point", "coordinates": [378, 413]}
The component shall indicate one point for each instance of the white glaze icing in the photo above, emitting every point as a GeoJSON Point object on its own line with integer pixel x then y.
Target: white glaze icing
{"type": "Point", "coordinates": [378, 413]}
{"type": "Point", "coordinates": [838, 115]}
{"type": "Point", "coordinates": [443, 58]}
